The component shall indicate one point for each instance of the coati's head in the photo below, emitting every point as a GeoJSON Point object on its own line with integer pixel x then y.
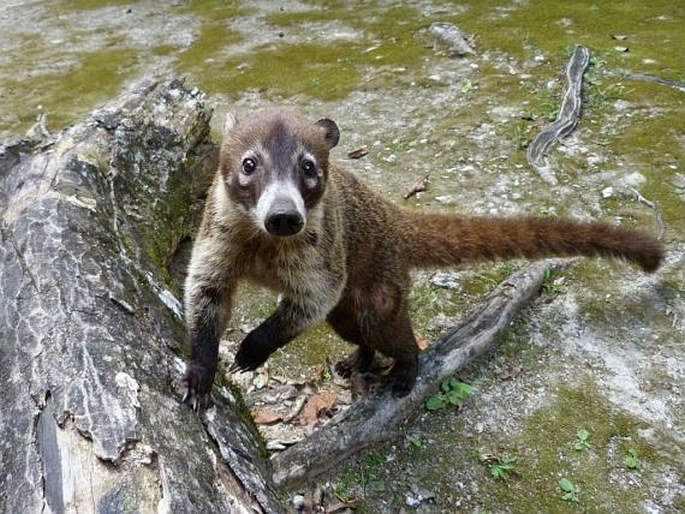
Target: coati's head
{"type": "Point", "coordinates": [275, 167]}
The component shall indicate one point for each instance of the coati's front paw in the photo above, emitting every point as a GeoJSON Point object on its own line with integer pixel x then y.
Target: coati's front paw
{"type": "Point", "coordinates": [345, 367]}
{"type": "Point", "coordinates": [249, 357]}
{"type": "Point", "coordinates": [198, 380]}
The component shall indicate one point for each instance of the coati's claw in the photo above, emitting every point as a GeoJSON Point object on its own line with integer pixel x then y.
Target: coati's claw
{"type": "Point", "coordinates": [401, 379]}
{"type": "Point", "coordinates": [198, 380]}
{"type": "Point", "coordinates": [358, 361]}
{"type": "Point", "coordinates": [236, 367]}
{"type": "Point", "coordinates": [344, 367]}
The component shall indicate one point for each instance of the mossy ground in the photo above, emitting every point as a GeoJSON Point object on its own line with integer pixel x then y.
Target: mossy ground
{"type": "Point", "coordinates": [604, 354]}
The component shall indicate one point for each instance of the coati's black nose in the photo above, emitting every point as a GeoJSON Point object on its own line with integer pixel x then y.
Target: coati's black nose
{"type": "Point", "coordinates": [284, 223]}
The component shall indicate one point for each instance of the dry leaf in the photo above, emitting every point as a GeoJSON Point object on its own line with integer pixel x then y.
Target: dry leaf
{"type": "Point", "coordinates": [510, 373]}
{"type": "Point", "coordinates": [266, 417]}
{"type": "Point", "coordinates": [358, 153]}
{"type": "Point", "coordinates": [421, 342]}
{"type": "Point", "coordinates": [419, 186]}
{"type": "Point", "coordinates": [318, 404]}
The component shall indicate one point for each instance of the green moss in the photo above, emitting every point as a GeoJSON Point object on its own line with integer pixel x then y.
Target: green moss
{"type": "Point", "coordinates": [317, 345]}
{"type": "Point", "coordinates": [318, 70]}
{"type": "Point", "coordinates": [329, 71]}
{"type": "Point", "coordinates": [85, 5]}
{"type": "Point", "coordinates": [163, 50]}
{"type": "Point", "coordinates": [537, 24]}
{"type": "Point", "coordinates": [214, 9]}
{"type": "Point", "coordinates": [206, 48]}
{"type": "Point", "coordinates": [548, 455]}
{"type": "Point", "coordinates": [68, 94]}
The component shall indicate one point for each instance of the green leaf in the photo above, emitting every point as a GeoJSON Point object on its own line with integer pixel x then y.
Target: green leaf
{"type": "Point", "coordinates": [464, 389]}
{"type": "Point", "coordinates": [567, 485]}
{"type": "Point", "coordinates": [498, 472]}
{"type": "Point", "coordinates": [583, 434]}
{"type": "Point", "coordinates": [579, 446]}
{"type": "Point", "coordinates": [570, 497]}
{"type": "Point", "coordinates": [508, 463]}
{"type": "Point", "coordinates": [631, 461]}
{"type": "Point", "coordinates": [435, 402]}
{"type": "Point", "coordinates": [453, 398]}
{"type": "Point", "coordinates": [445, 386]}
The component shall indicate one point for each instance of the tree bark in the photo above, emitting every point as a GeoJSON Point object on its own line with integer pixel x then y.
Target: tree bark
{"type": "Point", "coordinates": [90, 418]}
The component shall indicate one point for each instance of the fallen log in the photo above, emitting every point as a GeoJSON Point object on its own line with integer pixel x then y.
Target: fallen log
{"type": "Point", "coordinates": [90, 417]}
{"type": "Point", "coordinates": [377, 418]}
{"type": "Point", "coordinates": [567, 118]}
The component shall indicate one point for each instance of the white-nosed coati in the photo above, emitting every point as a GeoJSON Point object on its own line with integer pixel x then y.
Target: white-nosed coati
{"type": "Point", "coordinates": [280, 215]}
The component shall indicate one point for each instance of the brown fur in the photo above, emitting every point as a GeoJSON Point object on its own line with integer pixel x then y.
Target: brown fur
{"type": "Point", "coordinates": [351, 263]}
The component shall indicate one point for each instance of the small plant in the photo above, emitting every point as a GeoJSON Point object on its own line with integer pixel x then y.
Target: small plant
{"type": "Point", "coordinates": [570, 490]}
{"type": "Point", "coordinates": [500, 467]}
{"type": "Point", "coordinates": [598, 62]}
{"type": "Point", "coordinates": [399, 145]}
{"type": "Point", "coordinates": [499, 470]}
{"type": "Point", "coordinates": [345, 488]}
{"type": "Point", "coordinates": [550, 283]}
{"type": "Point", "coordinates": [452, 392]}
{"type": "Point", "coordinates": [600, 94]}
{"type": "Point", "coordinates": [631, 461]}
{"type": "Point", "coordinates": [518, 137]}
{"type": "Point", "coordinates": [418, 441]}
{"type": "Point", "coordinates": [581, 442]}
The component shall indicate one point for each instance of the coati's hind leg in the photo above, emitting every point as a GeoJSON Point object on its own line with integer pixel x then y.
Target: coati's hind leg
{"type": "Point", "coordinates": [394, 337]}
{"type": "Point", "coordinates": [344, 321]}
{"type": "Point", "coordinates": [360, 360]}
{"type": "Point", "coordinates": [377, 319]}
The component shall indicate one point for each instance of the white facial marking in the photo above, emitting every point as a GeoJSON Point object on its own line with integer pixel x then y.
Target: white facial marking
{"type": "Point", "coordinates": [311, 182]}
{"type": "Point", "coordinates": [229, 122]}
{"type": "Point", "coordinates": [277, 191]}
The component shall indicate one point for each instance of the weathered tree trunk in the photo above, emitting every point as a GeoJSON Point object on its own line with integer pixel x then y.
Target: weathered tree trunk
{"type": "Point", "coordinates": [90, 418]}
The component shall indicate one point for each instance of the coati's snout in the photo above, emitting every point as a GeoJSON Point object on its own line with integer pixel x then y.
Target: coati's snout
{"type": "Point", "coordinates": [284, 219]}
{"type": "Point", "coordinates": [281, 210]}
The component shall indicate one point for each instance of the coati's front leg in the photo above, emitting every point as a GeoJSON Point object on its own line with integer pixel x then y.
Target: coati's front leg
{"type": "Point", "coordinates": [289, 320]}
{"type": "Point", "coordinates": [208, 308]}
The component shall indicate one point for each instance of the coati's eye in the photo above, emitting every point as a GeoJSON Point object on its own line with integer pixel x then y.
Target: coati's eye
{"type": "Point", "coordinates": [308, 168]}
{"type": "Point", "coordinates": [249, 165]}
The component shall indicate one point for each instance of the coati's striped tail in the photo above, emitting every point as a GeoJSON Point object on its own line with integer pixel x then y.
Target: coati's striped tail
{"type": "Point", "coordinates": [442, 240]}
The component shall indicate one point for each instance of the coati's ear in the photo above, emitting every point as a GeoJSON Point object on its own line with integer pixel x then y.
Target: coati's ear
{"type": "Point", "coordinates": [229, 123]}
{"type": "Point", "coordinates": [331, 132]}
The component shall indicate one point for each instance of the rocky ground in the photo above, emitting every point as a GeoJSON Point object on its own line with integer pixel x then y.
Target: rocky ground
{"type": "Point", "coordinates": [587, 386]}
